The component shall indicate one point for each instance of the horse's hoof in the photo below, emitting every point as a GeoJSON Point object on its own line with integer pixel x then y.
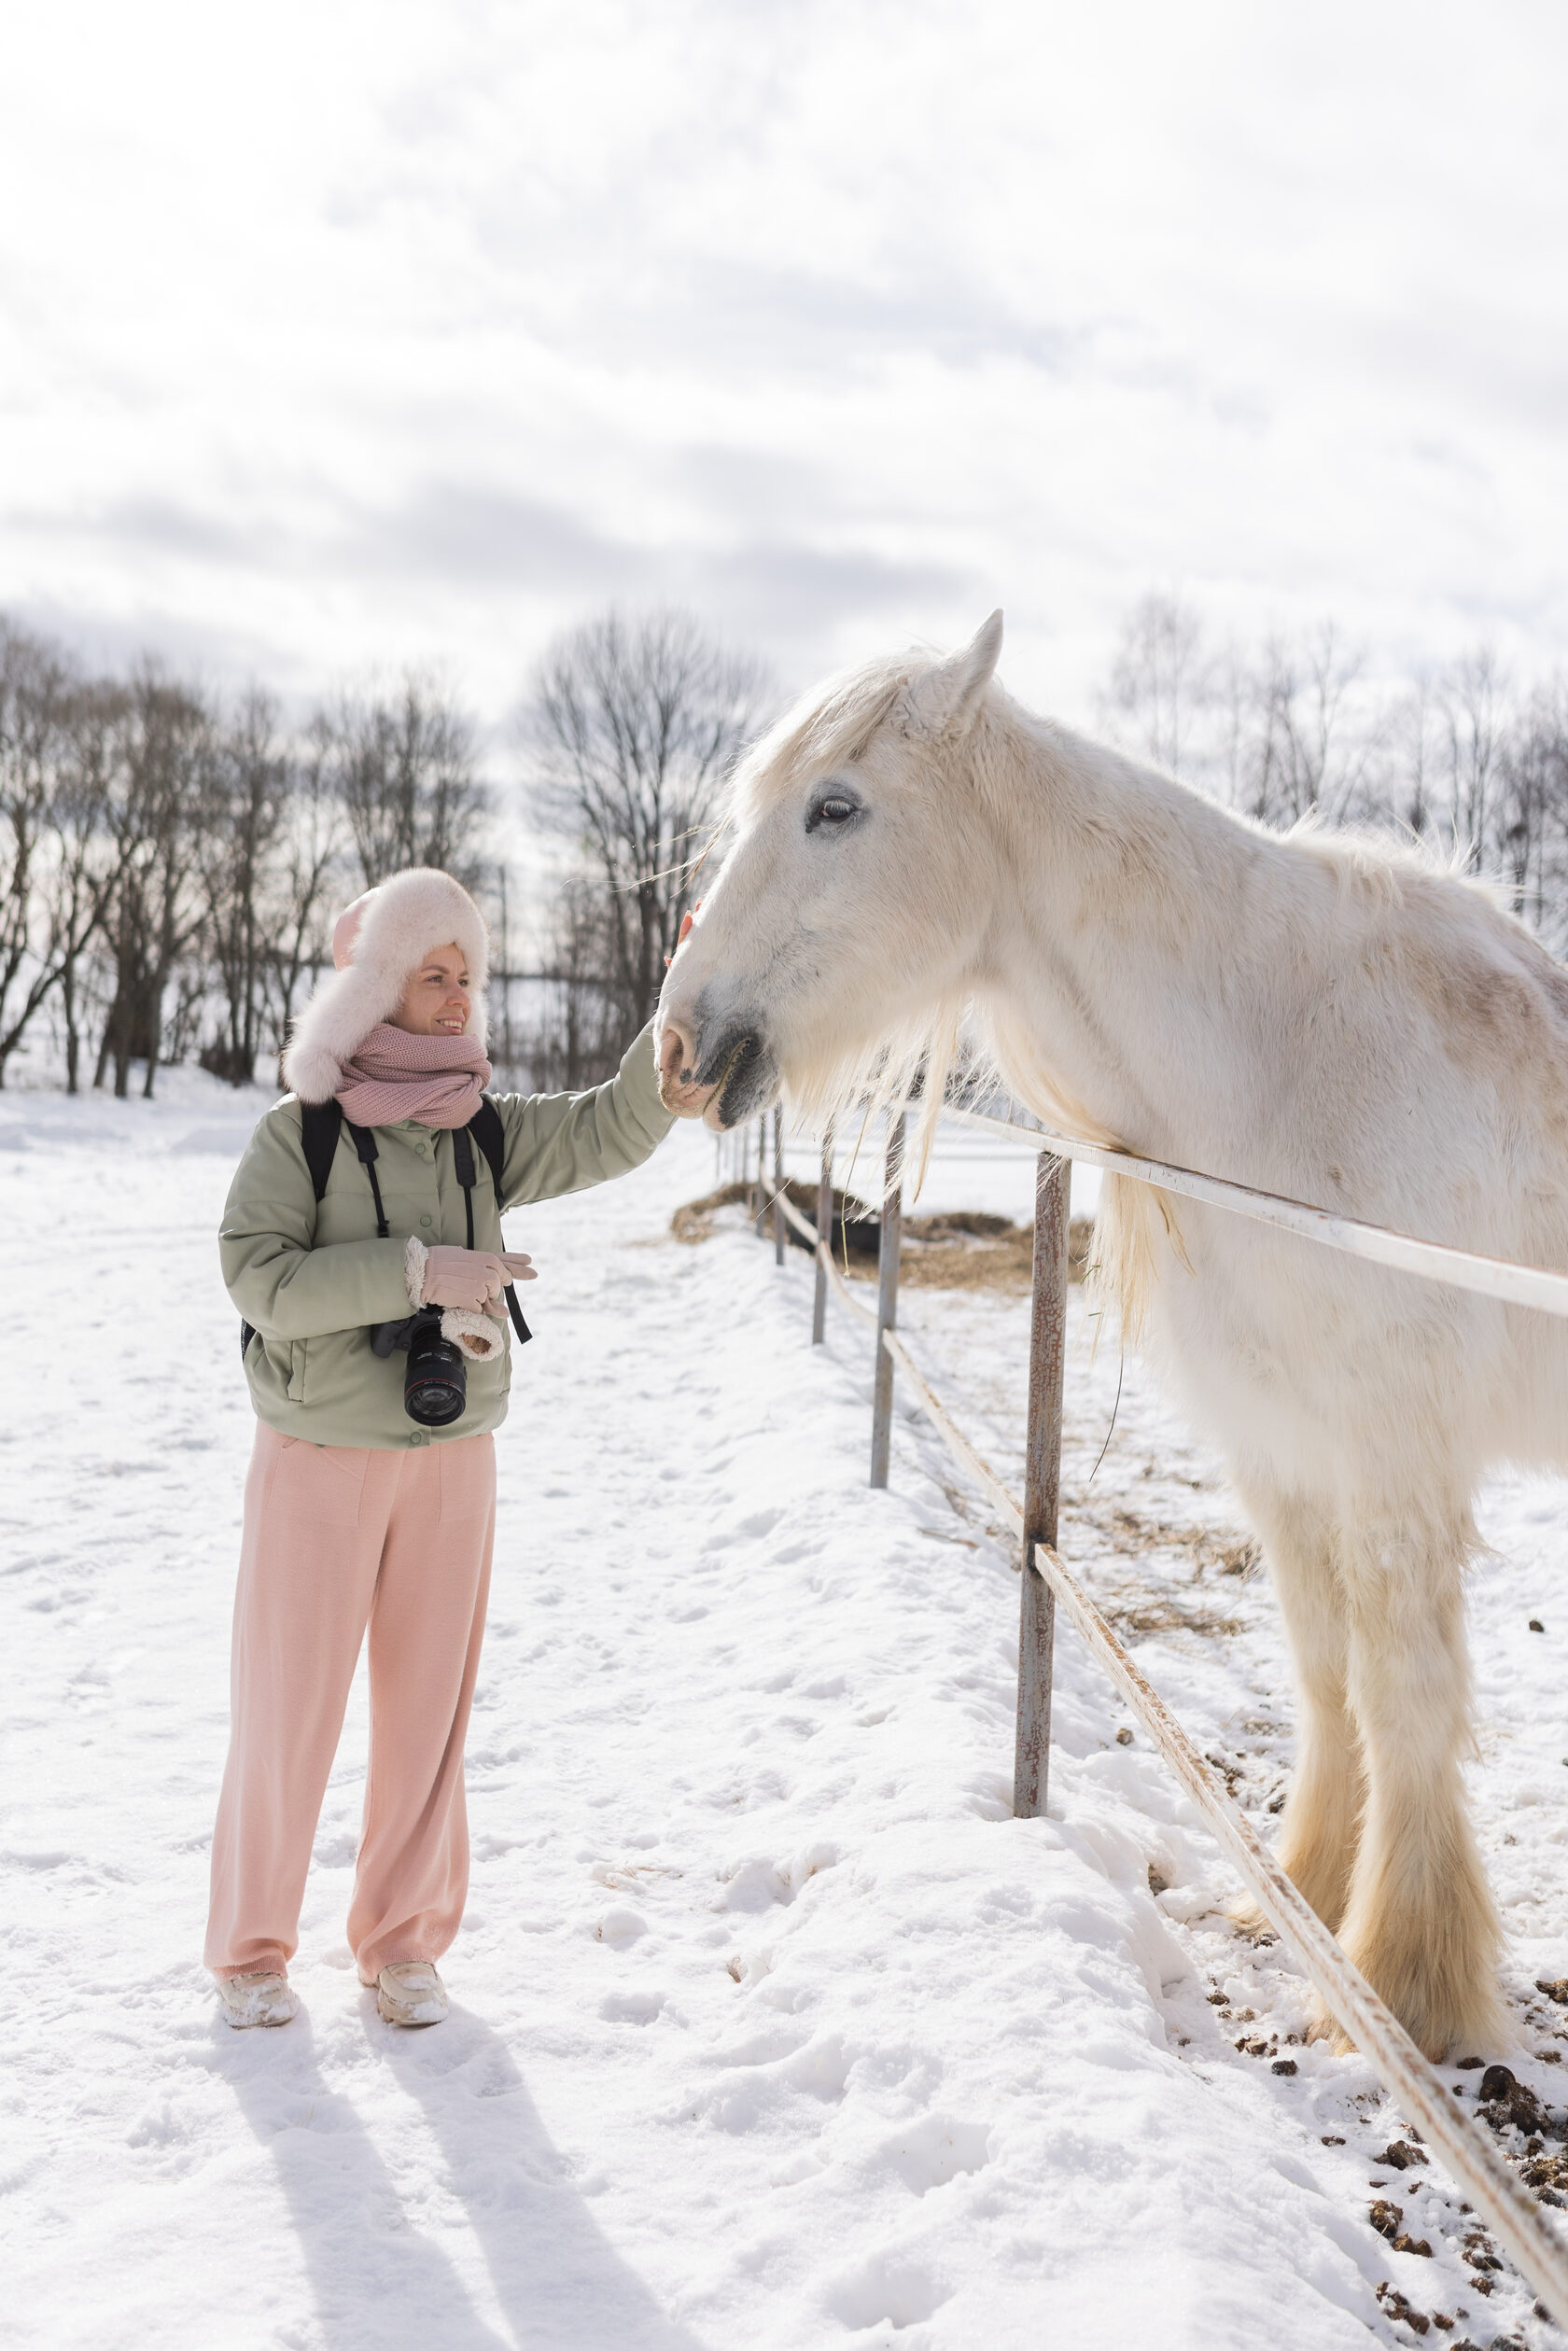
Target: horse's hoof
{"type": "Point", "coordinates": [1248, 1920]}
{"type": "Point", "coordinates": [1321, 2026]}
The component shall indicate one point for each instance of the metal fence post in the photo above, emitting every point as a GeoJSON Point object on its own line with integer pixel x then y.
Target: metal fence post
{"type": "Point", "coordinates": [824, 1236]}
{"type": "Point", "coordinates": [778, 1184]}
{"type": "Point", "coordinates": [760, 1197]}
{"type": "Point", "coordinates": [887, 1298]}
{"type": "Point", "coordinates": [1037, 1620]}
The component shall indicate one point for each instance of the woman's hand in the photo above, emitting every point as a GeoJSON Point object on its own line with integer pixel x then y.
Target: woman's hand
{"type": "Point", "coordinates": [469, 1277]}
{"type": "Point", "coordinates": [519, 1268]}
{"type": "Point", "coordinates": [681, 935]}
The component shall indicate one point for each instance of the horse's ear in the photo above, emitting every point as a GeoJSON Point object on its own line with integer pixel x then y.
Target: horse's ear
{"type": "Point", "coordinates": [944, 699]}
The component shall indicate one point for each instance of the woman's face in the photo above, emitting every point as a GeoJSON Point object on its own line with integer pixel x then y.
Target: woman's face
{"type": "Point", "coordinates": [436, 1001]}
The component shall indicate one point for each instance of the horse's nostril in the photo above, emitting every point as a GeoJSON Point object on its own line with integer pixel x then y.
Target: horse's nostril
{"type": "Point", "coordinates": [677, 1050]}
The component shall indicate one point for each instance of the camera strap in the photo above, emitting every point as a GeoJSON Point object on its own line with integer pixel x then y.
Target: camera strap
{"type": "Point", "coordinates": [486, 1126]}
{"type": "Point", "coordinates": [364, 1143]}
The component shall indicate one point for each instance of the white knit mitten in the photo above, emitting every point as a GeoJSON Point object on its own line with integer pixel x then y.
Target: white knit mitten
{"type": "Point", "coordinates": [479, 1337]}
{"type": "Point", "coordinates": [416, 1258]}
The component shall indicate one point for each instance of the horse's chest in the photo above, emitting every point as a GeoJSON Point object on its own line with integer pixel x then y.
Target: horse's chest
{"type": "Point", "coordinates": [1269, 1345]}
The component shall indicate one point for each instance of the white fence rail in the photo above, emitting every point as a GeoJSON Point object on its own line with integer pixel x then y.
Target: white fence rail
{"type": "Point", "coordinates": [1493, 1277]}
{"type": "Point", "coordinates": [1474, 2163]}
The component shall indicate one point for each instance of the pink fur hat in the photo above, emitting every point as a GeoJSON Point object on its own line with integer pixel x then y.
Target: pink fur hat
{"type": "Point", "coordinates": [377, 943]}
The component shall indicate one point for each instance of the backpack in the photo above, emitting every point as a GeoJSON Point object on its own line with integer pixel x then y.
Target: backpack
{"type": "Point", "coordinates": [321, 1125]}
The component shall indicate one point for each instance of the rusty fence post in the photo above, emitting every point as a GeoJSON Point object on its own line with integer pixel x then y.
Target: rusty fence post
{"type": "Point", "coordinates": [779, 1235]}
{"type": "Point", "coordinates": [824, 1234]}
{"type": "Point", "coordinates": [887, 1298]}
{"type": "Point", "coordinates": [1037, 1617]}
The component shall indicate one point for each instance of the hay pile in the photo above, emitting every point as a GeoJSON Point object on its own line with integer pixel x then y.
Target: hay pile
{"type": "Point", "coordinates": [960, 1248]}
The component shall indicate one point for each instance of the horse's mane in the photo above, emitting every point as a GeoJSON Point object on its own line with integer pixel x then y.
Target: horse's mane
{"type": "Point", "coordinates": [1381, 863]}
{"type": "Point", "coordinates": [826, 727]}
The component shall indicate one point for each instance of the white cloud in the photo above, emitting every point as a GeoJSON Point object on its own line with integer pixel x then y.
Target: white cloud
{"type": "Point", "coordinates": [350, 333]}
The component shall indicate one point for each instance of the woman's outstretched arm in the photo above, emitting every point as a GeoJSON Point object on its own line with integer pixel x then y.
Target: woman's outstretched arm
{"type": "Point", "coordinates": [562, 1142]}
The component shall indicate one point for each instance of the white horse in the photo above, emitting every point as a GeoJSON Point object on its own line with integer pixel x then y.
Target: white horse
{"type": "Point", "coordinates": [1325, 1018]}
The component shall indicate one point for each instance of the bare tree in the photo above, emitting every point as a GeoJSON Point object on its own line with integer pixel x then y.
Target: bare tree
{"type": "Point", "coordinates": [1284, 735]}
{"type": "Point", "coordinates": [1530, 813]}
{"type": "Point", "coordinates": [245, 806]}
{"type": "Point", "coordinates": [406, 770]}
{"type": "Point", "coordinates": [1313, 744]}
{"type": "Point", "coordinates": [580, 1034]}
{"type": "Point", "coordinates": [1161, 682]}
{"type": "Point", "coordinates": [82, 869]}
{"type": "Point", "coordinates": [1471, 700]}
{"type": "Point", "coordinates": [1411, 735]}
{"type": "Point", "coordinates": [311, 855]}
{"type": "Point", "coordinates": [1454, 758]}
{"type": "Point", "coordinates": [34, 686]}
{"type": "Point", "coordinates": [631, 729]}
{"type": "Point", "coordinates": [154, 820]}
{"type": "Point", "coordinates": [167, 869]}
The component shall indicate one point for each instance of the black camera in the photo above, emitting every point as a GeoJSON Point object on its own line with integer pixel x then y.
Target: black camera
{"type": "Point", "coordinates": [436, 1383]}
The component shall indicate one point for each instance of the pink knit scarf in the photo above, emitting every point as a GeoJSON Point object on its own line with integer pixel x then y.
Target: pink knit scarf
{"type": "Point", "coordinates": [395, 1074]}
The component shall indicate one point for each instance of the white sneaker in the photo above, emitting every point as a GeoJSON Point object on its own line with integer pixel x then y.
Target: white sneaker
{"type": "Point", "coordinates": [411, 1993]}
{"type": "Point", "coordinates": [256, 2000]}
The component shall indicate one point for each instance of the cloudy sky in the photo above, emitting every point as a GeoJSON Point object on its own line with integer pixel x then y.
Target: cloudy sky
{"type": "Point", "coordinates": [337, 334]}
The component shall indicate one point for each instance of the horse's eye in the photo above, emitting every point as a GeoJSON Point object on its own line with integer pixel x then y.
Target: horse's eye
{"type": "Point", "coordinates": [835, 810]}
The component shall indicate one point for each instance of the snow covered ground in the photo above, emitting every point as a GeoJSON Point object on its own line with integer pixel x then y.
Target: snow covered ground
{"type": "Point", "coordinates": [771, 2027]}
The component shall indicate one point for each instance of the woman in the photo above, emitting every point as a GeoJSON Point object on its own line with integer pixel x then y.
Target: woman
{"type": "Point", "coordinates": [357, 1516]}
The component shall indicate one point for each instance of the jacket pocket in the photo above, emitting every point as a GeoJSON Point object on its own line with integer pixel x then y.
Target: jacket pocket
{"type": "Point", "coordinates": [297, 1371]}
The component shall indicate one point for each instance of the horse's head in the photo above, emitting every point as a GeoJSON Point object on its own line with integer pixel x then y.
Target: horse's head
{"type": "Point", "coordinates": [839, 922]}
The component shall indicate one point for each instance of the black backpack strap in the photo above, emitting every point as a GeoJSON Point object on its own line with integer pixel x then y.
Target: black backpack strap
{"type": "Point", "coordinates": [485, 1128]}
{"type": "Point", "coordinates": [320, 1125]}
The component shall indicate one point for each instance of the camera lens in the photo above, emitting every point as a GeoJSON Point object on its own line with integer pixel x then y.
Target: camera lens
{"type": "Point", "coordinates": [435, 1386]}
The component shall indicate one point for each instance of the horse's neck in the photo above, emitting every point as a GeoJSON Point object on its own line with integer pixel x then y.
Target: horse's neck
{"type": "Point", "coordinates": [1130, 988]}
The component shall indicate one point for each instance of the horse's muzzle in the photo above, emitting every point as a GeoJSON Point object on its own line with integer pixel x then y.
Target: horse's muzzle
{"type": "Point", "coordinates": [720, 1069]}
{"type": "Point", "coordinates": [741, 1072]}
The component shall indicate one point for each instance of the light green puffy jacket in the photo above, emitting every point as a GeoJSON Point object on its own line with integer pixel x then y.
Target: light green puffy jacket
{"type": "Point", "coordinates": [312, 1281]}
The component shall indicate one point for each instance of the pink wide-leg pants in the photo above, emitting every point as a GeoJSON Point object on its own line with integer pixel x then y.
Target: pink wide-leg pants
{"type": "Point", "coordinates": [338, 1539]}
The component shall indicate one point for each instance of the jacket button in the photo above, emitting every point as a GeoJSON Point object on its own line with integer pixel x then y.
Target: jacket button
{"type": "Point", "coordinates": [424, 1220]}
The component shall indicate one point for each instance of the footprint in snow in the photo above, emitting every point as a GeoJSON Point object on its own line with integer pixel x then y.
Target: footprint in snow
{"type": "Point", "coordinates": [619, 1928]}
{"type": "Point", "coordinates": [937, 2149]}
{"type": "Point", "coordinates": [887, 2291]}
{"type": "Point", "coordinates": [632, 2007]}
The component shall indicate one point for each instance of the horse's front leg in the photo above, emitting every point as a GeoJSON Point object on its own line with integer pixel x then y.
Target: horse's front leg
{"type": "Point", "coordinates": [1419, 1923]}
{"type": "Point", "coordinates": [1317, 1836]}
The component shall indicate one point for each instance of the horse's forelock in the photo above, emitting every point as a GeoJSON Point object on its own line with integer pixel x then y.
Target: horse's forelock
{"type": "Point", "coordinates": [831, 726]}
